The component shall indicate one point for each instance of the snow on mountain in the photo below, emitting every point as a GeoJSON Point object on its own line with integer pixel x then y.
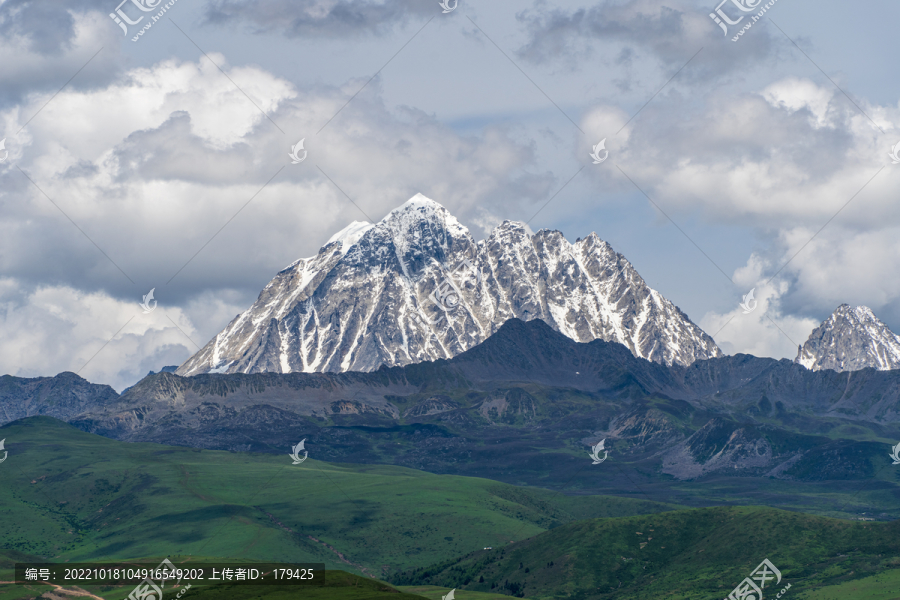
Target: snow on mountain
{"type": "Point", "coordinates": [849, 340]}
{"type": "Point", "coordinates": [416, 286]}
{"type": "Point", "coordinates": [349, 235]}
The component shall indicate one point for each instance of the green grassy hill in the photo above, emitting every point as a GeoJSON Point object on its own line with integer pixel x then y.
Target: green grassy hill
{"type": "Point", "coordinates": [71, 496]}
{"type": "Point", "coordinates": [884, 586]}
{"type": "Point", "coordinates": [698, 553]}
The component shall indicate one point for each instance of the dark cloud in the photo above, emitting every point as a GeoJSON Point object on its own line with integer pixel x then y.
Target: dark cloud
{"type": "Point", "coordinates": [44, 44]}
{"type": "Point", "coordinates": [47, 26]}
{"type": "Point", "coordinates": [317, 18]}
{"type": "Point", "coordinates": [173, 152]}
{"type": "Point", "coordinates": [671, 32]}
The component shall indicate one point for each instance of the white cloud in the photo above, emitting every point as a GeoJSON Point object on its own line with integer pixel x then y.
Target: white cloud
{"type": "Point", "coordinates": [795, 94]}
{"type": "Point", "coordinates": [763, 331]}
{"type": "Point", "coordinates": [158, 162]}
{"type": "Point", "coordinates": [57, 328]}
{"type": "Point", "coordinates": [606, 122]}
{"type": "Point", "coordinates": [843, 265]}
{"type": "Point", "coordinates": [789, 158]}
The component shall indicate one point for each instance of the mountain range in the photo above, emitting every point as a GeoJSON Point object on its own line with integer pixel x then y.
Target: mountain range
{"type": "Point", "coordinates": [408, 343]}
{"type": "Point", "coordinates": [416, 286]}
{"type": "Point", "coordinates": [524, 406]}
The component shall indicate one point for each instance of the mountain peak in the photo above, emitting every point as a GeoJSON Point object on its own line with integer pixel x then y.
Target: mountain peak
{"type": "Point", "coordinates": [416, 286]}
{"type": "Point", "coordinates": [514, 225]}
{"type": "Point", "coordinates": [421, 211]}
{"type": "Point", "coordinates": [419, 206]}
{"type": "Point", "coordinates": [852, 338]}
{"type": "Point", "coordinates": [418, 200]}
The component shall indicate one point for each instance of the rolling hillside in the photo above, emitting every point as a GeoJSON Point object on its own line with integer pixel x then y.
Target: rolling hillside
{"type": "Point", "coordinates": [691, 554]}
{"type": "Point", "coordinates": [72, 496]}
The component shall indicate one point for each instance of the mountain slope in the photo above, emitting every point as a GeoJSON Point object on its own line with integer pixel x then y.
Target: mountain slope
{"type": "Point", "coordinates": [696, 554]}
{"type": "Point", "coordinates": [75, 497]}
{"type": "Point", "coordinates": [100, 499]}
{"type": "Point", "coordinates": [416, 286]}
{"type": "Point", "coordinates": [851, 339]}
{"type": "Point", "coordinates": [524, 406]}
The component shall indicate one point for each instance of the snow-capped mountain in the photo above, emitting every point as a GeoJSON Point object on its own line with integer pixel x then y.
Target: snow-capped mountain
{"type": "Point", "coordinates": [416, 286]}
{"type": "Point", "coordinates": [849, 340]}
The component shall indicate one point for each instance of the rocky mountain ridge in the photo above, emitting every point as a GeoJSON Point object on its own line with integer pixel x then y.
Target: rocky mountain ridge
{"type": "Point", "coordinates": [520, 353]}
{"type": "Point", "coordinates": [524, 406]}
{"type": "Point", "coordinates": [61, 397]}
{"type": "Point", "coordinates": [416, 286]}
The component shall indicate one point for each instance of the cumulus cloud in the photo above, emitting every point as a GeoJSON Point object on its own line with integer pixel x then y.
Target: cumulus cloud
{"type": "Point", "coordinates": [759, 325]}
{"type": "Point", "coordinates": [843, 265]}
{"type": "Point", "coordinates": [161, 161]}
{"type": "Point", "coordinates": [763, 331]}
{"type": "Point", "coordinates": [788, 156]}
{"type": "Point", "coordinates": [51, 329]}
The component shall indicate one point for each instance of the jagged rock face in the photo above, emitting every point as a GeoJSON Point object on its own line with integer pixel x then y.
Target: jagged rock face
{"type": "Point", "coordinates": [417, 286]}
{"type": "Point", "coordinates": [849, 340]}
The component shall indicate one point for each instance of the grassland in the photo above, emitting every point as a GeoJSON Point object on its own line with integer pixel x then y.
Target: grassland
{"type": "Point", "coordinates": [884, 586]}
{"type": "Point", "coordinates": [692, 554]}
{"type": "Point", "coordinates": [72, 496]}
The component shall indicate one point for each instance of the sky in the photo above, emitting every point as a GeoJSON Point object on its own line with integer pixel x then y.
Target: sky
{"type": "Point", "coordinates": [160, 160]}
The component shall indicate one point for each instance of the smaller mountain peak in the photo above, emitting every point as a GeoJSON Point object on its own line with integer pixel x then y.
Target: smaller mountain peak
{"type": "Point", "coordinates": [592, 238]}
{"type": "Point", "coordinates": [416, 209]}
{"type": "Point", "coordinates": [70, 375]}
{"type": "Point", "coordinates": [420, 197]}
{"type": "Point", "coordinates": [166, 369]}
{"type": "Point", "coordinates": [852, 338]}
{"type": "Point", "coordinates": [514, 225]}
{"type": "Point", "coordinates": [864, 310]}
